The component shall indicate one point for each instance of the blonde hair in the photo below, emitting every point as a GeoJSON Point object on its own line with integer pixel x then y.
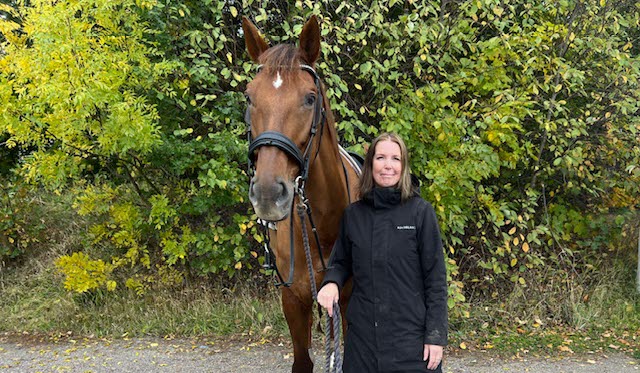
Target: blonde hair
{"type": "Point", "coordinates": [404, 184]}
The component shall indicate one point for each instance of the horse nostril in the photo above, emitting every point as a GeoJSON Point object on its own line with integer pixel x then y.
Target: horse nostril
{"type": "Point", "coordinates": [282, 192]}
{"type": "Point", "coordinates": [252, 190]}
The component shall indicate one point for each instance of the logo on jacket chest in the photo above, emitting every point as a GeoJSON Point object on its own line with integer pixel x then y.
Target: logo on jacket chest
{"type": "Point", "coordinates": [406, 227]}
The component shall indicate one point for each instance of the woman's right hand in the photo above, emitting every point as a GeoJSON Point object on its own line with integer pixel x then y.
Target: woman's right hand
{"type": "Point", "coordinates": [328, 295]}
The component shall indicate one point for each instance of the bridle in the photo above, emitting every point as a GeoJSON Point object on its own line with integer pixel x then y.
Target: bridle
{"type": "Point", "coordinates": [282, 142]}
{"type": "Point", "coordinates": [303, 159]}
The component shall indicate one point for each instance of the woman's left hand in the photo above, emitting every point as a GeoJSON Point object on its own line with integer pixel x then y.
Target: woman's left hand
{"type": "Point", "coordinates": [433, 353]}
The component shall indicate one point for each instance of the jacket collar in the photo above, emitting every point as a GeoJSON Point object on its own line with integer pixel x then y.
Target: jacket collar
{"type": "Point", "coordinates": [383, 198]}
{"type": "Point", "coordinates": [386, 198]}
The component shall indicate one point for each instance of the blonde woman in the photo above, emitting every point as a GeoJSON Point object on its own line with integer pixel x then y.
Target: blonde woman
{"type": "Point", "coordinates": [389, 245]}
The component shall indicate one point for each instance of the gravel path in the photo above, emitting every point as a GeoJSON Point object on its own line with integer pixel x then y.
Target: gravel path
{"type": "Point", "coordinates": [146, 355]}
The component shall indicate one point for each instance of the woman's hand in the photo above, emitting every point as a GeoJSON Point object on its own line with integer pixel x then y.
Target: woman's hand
{"type": "Point", "coordinates": [328, 295]}
{"type": "Point", "coordinates": [433, 353]}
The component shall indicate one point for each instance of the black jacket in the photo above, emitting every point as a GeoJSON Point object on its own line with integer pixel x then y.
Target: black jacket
{"type": "Point", "coordinates": [394, 253]}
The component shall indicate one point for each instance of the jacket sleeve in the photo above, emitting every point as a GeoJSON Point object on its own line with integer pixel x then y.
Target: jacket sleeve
{"type": "Point", "coordinates": [435, 278]}
{"type": "Point", "coordinates": [339, 266]}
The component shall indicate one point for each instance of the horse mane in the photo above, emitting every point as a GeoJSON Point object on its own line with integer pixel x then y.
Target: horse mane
{"type": "Point", "coordinates": [282, 57]}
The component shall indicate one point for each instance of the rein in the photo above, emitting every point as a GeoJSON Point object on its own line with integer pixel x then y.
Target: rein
{"type": "Point", "coordinates": [334, 366]}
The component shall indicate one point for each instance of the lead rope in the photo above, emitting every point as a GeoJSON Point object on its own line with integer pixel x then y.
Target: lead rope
{"type": "Point", "coordinates": [337, 358]}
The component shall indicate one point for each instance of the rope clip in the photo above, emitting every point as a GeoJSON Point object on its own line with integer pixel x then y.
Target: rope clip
{"type": "Point", "coordinates": [299, 188]}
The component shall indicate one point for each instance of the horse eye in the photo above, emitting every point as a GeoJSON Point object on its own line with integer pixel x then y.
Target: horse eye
{"type": "Point", "coordinates": [310, 99]}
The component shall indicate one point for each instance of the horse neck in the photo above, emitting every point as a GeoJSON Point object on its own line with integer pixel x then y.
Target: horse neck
{"type": "Point", "coordinates": [326, 187]}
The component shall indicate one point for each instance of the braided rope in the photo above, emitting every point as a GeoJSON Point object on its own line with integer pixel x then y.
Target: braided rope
{"type": "Point", "coordinates": [337, 321]}
{"type": "Point", "coordinates": [307, 252]}
{"type": "Point", "coordinates": [335, 352]}
{"type": "Point", "coordinates": [327, 345]}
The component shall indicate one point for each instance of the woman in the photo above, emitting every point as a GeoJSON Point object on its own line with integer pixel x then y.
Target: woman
{"type": "Point", "coordinates": [389, 244]}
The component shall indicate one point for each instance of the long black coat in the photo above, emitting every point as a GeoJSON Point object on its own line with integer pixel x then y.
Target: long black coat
{"type": "Point", "coordinates": [394, 253]}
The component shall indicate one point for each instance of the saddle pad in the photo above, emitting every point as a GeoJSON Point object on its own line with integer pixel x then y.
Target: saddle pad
{"type": "Point", "coordinates": [355, 160]}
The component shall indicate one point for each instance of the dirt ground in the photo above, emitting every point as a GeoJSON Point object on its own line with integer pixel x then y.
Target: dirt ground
{"type": "Point", "coordinates": [146, 355]}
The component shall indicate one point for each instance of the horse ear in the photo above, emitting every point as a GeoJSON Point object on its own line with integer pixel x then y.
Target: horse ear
{"type": "Point", "coordinates": [310, 41]}
{"type": "Point", "coordinates": [253, 40]}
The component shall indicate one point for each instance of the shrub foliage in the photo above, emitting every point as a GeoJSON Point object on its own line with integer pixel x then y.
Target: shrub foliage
{"type": "Point", "coordinates": [521, 118]}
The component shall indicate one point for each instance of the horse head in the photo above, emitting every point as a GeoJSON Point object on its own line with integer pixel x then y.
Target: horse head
{"type": "Point", "coordinates": [285, 111]}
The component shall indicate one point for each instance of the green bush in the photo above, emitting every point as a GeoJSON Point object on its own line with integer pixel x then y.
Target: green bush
{"type": "Point", "coordinates": [520, 118]}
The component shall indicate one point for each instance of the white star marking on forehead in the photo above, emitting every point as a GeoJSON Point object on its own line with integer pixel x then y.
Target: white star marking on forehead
{"type": "Point", "coordinates": [278, 82]}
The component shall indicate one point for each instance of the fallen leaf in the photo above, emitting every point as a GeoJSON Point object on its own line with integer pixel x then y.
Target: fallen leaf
{"type": "Point", "coordinates": [565, 349]}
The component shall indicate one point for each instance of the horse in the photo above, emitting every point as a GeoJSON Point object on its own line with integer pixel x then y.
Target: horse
{"type": "Point", "coordinates": [294, 143]}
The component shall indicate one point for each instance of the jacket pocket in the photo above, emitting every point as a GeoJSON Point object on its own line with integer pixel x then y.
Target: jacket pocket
{"type": "Point", "coordinates": [404, 244]}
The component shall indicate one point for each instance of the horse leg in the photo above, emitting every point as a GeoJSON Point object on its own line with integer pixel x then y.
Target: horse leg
{"type": "Point", "coordinates": [298, 317]}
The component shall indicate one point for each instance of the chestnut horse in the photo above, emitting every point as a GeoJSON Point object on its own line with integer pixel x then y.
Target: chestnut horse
{"type": "Point", "coordinates": [292, 134]}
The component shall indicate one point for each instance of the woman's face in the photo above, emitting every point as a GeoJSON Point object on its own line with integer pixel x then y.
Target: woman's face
{"type": "Point", "coordinates": [387, 164]}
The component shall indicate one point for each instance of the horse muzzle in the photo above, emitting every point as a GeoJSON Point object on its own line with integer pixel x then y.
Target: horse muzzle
{"type": "Point", "coordinates": [271, 200]}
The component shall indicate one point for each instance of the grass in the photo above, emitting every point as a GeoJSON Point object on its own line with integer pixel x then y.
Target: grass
{"type": "Point", "coordinates": [36, 302]}
{"type": "Point", "coordinates": [33, 300]}
{"type": "Point", "coordinates": [584, 315]}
